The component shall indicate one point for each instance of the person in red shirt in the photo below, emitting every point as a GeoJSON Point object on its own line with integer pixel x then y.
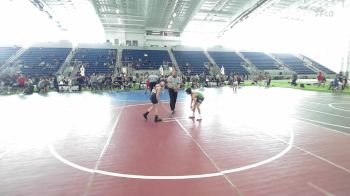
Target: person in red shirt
{"type": "Point", "coordinates": [21, 80]}
{"type": "Point", "coordinates": [319, 78]}
{"type": "Point", "coordinates": [239, 79]}
{"type": "Point", "coordinates": [148, 84]}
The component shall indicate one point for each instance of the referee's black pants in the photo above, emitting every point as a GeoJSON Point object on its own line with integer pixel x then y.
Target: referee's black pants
{"type": "Point", "coordinates": [152, 85]}
{"type": "Point", "coordinates": [173, 97]}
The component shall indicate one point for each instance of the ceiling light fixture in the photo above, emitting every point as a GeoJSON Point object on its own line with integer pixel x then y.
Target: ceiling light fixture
{"type": "Point", "coordinates": [169, 26]}
{"type": "Point", "coordinates": [117, 11]}
{"type": "Point", "coordinates": [174, 15]}
{"type": "Point", "coordinates": [171, 22]}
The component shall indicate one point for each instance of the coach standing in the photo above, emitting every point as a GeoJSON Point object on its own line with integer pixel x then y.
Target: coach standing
{"type": "Point", "coordinates": [174, 84]}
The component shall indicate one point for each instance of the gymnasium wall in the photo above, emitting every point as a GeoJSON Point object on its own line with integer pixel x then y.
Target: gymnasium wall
{"type": "Point", "coordinates": [121, 38]}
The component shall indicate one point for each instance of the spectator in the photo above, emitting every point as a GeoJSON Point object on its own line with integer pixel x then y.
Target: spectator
{"type": "Point", "coordinates": [82, 70]}
{"type": "Point", "coordinates": [43, 85]}
{"type": "Point", "coordinates": [319, 79]}
{"type": "Point", "coordinates": [108, 82]}
{"type": "Point", "coordinates": [127, 83]}
{"type": "Point", "coordinates": [239, 79]}
{"type": "Point", "coordinates": [93, 82]}
{"type": "Point", "coordinates": [268, 79]}
{"type": "Point", "coordinates": [294, 80]}
{"type": "Point", "coordinates": [195, 81]}
{"type": "Point", "coordinates": [30, 88]}
{"type": "Point", "coordinates": [80, 81]}
{"type": "Point", "coordinates": [260, 78]}
{"type": "Point", "coordinates": [21, 80]}
{"type": "Point", "coordinates": [336, 84]}
{"type": "Point", "coordinates": [345, 83]}
{"type": "Point", "coordinates": [70, 84]}
{"type": "Point", "coordinates": [2, 85]}
{"type": "Point", "coordinates": [100, 81]}
{"type": "Point", "coordinates": [341, 79]}
{"type": "Point", "coordinates": [207, 81]}
{"type": "Point", "coordinates": [324, 80]}
{"type": "Point", "coordinates": [55, 84]}
{"type": "Point", "coordinates": [119, 81]}
{"type": "Point", "coordinates": [218, 82]}
{"type": "Point", "coordinates": [148, 84]}
{"type": "Point", "coordinates": [235, 82]}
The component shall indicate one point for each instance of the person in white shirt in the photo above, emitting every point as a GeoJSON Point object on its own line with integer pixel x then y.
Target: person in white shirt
{"type": "Point", "coordinates": [82, 70]}
{"type": "Point", "coordinates": [174, 85]}
{"type": "Point", "coordinates": [153, 80]}
{"type": "Point", "coordinates": [161, 70]}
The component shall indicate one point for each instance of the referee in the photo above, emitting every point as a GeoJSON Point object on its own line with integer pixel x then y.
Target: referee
{"type": "Point", "coordinates": [174, 84]}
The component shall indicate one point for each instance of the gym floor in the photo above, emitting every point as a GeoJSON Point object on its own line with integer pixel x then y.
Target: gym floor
{"type": "Point", "coordinates": [255, 142]}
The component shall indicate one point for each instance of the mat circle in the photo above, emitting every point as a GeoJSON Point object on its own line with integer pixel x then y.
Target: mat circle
{"type": "Point", "coordinates": [191, 176]}
{"type": "Point", "coordinates": [333, 105]}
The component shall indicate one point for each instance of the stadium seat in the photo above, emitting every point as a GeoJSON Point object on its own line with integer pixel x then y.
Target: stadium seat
{"type": "Point", "coordinates": [195, 59]}
{"type": "Point", "coordinates": [320, 67]}
{"type": "Point", "coordinates": [261, 60]}
{"type": "Point", "coordinates": [97, 60]}
{"type": "Point", "coordinates": [43, 61]}
{"type": "Point", "coordinates": [230, 61]}
{"type": "Point", "coordinates": [146, 59]}
{"type": "Point", "coordinates": [6, 53]}
{"type": "Point", "coordinates": [294, 63]}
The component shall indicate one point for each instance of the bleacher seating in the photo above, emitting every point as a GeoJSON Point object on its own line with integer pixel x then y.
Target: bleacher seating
{"type": "Point", "coordinates": [294, 63]}
{"type": "Point", "coordinates": [46, 61]}
{"type": "Point", "coordinates": [146, 59]}
{"type": "Point", "coordinates": [43, 61]}
{"type": "Point", "coordinates": [6, 53]}
{"type": "Point", "coordinates": [320, 67]}
{"type": "Point", "coordinates": [195, 59]}
{"type": "Point", "coordinates": [230, 61]}
{"type": "Point", "coordinates": [96, 60]}
{"type": "Point", "coordinates": [261, 60]}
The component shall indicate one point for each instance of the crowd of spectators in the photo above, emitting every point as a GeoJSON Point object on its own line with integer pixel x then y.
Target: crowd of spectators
{"type": "Point", "coordinates": [27, 85]}
{"type": "Point", "coordinates": [101, 82]}
{"type": "Point", "coordinates": [339, 83]}
{"type": "Point", "coordinates": [108, 82]}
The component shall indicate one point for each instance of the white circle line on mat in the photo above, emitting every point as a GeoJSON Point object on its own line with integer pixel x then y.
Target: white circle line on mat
{"type": "Point", "coordinates": [180, 177]}
{"type": "Point", "coordinates": [331, 105]}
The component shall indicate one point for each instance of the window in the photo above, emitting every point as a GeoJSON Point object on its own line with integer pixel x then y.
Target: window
{"type": "Point", "coordinates": [116, 42]}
